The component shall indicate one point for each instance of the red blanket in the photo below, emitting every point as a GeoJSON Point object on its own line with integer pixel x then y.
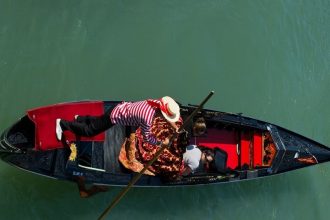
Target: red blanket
{"type": "Point", "coordinates": [44, 119]}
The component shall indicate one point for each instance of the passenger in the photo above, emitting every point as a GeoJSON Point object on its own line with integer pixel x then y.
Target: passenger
{"type": "Point", "coordinates": [199, 126]}
{"type": "Point", "coordinates": [193, 155]}
{"type": "Point", "coordinates": [135, 152]}
{"type": "Point", "coordinates": [139, 114]}
{"type": "Point", "coordinates": [196, 159]}
{"type": "Point", "coordinates": [195, 129]}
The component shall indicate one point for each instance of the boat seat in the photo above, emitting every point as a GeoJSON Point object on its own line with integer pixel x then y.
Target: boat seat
{"type": "Point", "coordinates": [90, 155]}
{"type": "Point", "coordinates": [251, 150]}
{"type": "Point", "coordinates": [257, 149]}
{"type": "Point", "coordinates": [220, 159]}
{"type": "Point", "coordinates": [44, 120]}
{"type": "Point", "coordinates": [245, 149]}
{"type": "Point", "coordinates": [225, 140]}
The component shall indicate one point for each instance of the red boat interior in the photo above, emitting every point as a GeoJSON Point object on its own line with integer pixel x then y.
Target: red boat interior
{"type": "Point", "coordinates": [246, 149]}
{"type": "Point", "coordinates": [44, 119]}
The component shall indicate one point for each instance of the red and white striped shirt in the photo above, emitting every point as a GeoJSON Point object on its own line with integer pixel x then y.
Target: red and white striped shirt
{"type": "Point", "coordinates": [136, 114]}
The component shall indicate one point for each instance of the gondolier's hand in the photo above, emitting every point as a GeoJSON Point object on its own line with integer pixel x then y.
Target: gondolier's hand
{"type": "Point", "coordinates": [165, 142]}
{"type": "Point", "coordinates": [182, 131]}
{"type": "Point", "coordinates": [175, 127]}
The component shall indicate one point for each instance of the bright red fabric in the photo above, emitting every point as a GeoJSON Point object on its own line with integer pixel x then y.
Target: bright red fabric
{"type": "Point", "coordinates": [245, 149]}
{"type": "Point", "coordinates": [44, 119]}
{"type": "Point", "coordinates": [223, 139]}
{"type": "Point", "coordinates": [227, 141]}
{"type": "Point", "coordinates": [257, 149]}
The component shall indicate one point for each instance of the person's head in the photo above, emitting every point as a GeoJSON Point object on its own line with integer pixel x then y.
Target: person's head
{"type": "Point", "coordinates": [169, 109]}
{"type": "Point", "coordinates": [207, 159]}
{"type": "Point", "coordinates": [199, 126]}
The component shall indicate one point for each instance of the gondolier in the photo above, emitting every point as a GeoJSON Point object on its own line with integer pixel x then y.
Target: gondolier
{"type": "Point", "coordinates": [139, 113]}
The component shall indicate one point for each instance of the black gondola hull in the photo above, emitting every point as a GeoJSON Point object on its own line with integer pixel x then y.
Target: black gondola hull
{"type": "Point", "coordinates": [17, 147]}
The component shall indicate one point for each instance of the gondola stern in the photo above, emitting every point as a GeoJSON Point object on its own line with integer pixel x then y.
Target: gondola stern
{"type": "Point", "coordinates": [17, 138]}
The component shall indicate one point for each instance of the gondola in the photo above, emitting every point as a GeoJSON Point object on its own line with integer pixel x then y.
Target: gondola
{"type": "Point", "coordinates": [246, 148]}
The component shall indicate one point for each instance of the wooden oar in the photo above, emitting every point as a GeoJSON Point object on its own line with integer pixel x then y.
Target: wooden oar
{"type": "Point", "coordinates": [158, 153]}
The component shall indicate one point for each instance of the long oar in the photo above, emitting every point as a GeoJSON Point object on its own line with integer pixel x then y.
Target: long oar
{"type": "Point", "coordinates": [158, 153]}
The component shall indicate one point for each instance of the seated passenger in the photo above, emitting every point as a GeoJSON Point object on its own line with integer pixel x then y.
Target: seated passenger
{"type": "Point", "coordinates": [195, 129]}
{"type": "Point", "coordinates": [197, 159]}
{"type": "Point", "coordinates": [135, 152]}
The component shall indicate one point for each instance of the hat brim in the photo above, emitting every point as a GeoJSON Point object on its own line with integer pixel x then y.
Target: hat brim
{"type": "Point", "coordinates": [171, 119]}
{"type": "Point", "coordinates": [176, 116]}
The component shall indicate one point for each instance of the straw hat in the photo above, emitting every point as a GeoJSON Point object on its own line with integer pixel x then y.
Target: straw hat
{"type": "Point", "coordinates": [170, 109]}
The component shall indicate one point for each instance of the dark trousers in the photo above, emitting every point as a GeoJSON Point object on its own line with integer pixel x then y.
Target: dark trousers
{"type": "Point", "coordinates": [89, 125]}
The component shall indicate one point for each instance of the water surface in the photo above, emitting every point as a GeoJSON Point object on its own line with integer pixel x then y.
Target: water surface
{"type": "Point", "coordinates": [267, 59]}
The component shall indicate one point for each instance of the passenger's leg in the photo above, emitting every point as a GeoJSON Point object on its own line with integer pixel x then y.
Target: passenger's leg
{"type": "Point", "coordinates": [90, 127]}
{"type": "Point", "coordinates": [83, 118]}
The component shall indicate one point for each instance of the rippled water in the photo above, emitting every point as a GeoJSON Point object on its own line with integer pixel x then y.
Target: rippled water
{"type": "Point", "coordinates": [267, 59]}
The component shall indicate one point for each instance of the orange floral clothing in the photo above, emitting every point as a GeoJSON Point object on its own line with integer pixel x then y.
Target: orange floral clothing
{"type": "Point", "coordinates": [169, 163]}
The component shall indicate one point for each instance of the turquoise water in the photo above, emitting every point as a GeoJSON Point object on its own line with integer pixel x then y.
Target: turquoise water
{"type": "Point", "coordinates": [267, 59]}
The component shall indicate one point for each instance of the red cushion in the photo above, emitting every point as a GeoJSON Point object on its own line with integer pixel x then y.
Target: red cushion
{"type": "Point", "coordinates": [245, 149]}
{"type": "Point", "coordinates": [223, 139]}
{"type": "Point", "coordinates": [257, 149]}
{"type": "Point", "coordinates": [45, 121]}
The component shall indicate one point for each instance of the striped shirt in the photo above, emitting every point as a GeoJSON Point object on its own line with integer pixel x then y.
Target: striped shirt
{"type": "Point", "coordinates": [135, 114]}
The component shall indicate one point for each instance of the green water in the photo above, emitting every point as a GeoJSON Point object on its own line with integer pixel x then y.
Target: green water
{"type": "Point", "coordinates": [269, 59]}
